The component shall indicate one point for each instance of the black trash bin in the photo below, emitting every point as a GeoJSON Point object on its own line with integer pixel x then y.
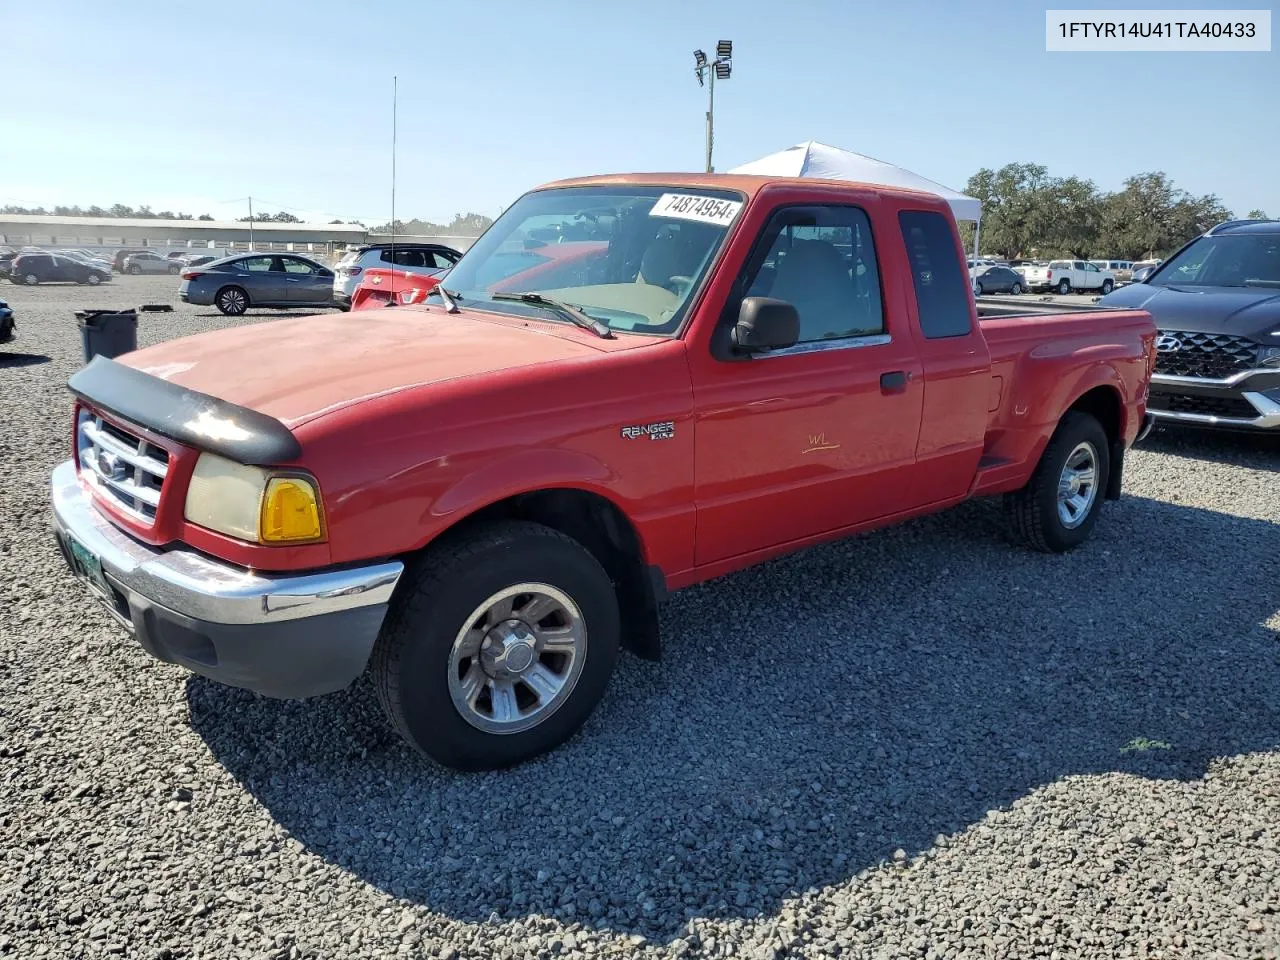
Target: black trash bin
{"type": "Point", "coordinates": [109, 333]}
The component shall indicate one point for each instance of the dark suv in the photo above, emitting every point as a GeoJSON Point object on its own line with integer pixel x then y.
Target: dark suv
{"type": "Point", "coordinates": [1216, 303]}
{"type": "Point", "coordinates": [33, 268]}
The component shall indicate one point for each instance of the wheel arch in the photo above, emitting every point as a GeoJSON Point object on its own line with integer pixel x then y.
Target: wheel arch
{"type": "Point", "coordinates": [1105, 404]}
{"type": "Point", "coordinates": [594, 519]}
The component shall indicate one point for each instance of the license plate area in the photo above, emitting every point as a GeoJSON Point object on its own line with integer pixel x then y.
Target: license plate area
{"type": "Point", "coordinates": [88, 566]}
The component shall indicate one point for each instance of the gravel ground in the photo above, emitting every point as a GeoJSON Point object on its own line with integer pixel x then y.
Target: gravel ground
{"type": "Point", "coordinates": [921, 743]}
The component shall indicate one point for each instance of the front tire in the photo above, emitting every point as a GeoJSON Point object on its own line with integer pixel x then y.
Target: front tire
{"type": "Point", "coordinates": [93, 280]}
{"type": "Point", "coordinates": [1107, 287]}
{"type": "Point", "coordinates": [1058, 507]}
{"type": "Point", "coordinates": [498, 646]}
{"type": "Point", "coordinates": [1016, 289]}
{"type": "Point", "coordinates": [1064, 287]}
{"type": "Point", "coordinates": [231, 301]}
{"type": "Point", "coordinates": [31, 280]}
{"type": "Point", "coordinates": [135, 270]}
{"type": "Point", "coordinates": [977, 289]}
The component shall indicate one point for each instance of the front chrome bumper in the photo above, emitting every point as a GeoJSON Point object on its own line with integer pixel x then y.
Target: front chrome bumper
{"type": "Point", "coordinates": [282, 635]}
{"type": "Point", "coordinates": [1258, 387]}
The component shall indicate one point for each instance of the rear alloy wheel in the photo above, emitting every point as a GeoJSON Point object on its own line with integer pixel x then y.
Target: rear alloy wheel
{"type": "Point", "coordinates": [175, 270]}
{"type": "Point", "coordinates": [977, 289]}
{"type": "Point", "coordinates": [135, 269]}
{"type": "Point", "coordinates": [231, 301]}
{"type": "Point", "coordinates": [30, 279]}
{"type": "Point", "coordinates": [497, 646]}
{"type": "Point", "coordinates": [1064, 286]}
{"type": "Point", "coordinates": [93, 280]}
{"type": "Point", "coordinates": [1058, 507]}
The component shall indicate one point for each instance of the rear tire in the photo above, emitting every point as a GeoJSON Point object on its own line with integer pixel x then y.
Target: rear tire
{"type": "Point", "coordinates": [433, 665]}
{"type": "Point", "coordinates": [135, 270]}
{"type": "Point", "coordinates": [174, 271]}
{"type": "Point", "coordinates": [231, 301]}
{"type": "Point", "coordinates": [1064, 287]}
{"type": "Point", "coordinates": [93, 280]}
{"type": "Point", "coordinates": [977, 289]}
{"type": "Point", "coordinates": [31, 280]}
{"type": "Point", "coordinates": [1041, 513]}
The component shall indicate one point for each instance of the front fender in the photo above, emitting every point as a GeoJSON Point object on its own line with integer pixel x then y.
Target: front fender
{"type": "Point", "coordinates": [521, 471]}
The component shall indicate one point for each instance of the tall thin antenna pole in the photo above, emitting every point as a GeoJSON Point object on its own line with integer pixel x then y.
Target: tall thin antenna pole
{"type": "Point", "coordinates": [251, 223]}
{"type": "Point", "coordinates": [395, 84]}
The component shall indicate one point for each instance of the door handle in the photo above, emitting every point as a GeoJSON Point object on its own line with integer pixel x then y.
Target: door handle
{"type": "Point", "coordinates": [290, 280]}
{"type": "Point", "coordinates": [894, 382]}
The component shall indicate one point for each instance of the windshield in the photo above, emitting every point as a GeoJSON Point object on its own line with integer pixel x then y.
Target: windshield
{"type": "Point", "coordinates": [1230, 260]}
{"type": "Point", "coordinates": [628, 256]}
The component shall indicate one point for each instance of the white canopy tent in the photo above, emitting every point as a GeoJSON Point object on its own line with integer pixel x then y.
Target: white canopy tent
{"type": "Point", "coordinates": [813, 159]}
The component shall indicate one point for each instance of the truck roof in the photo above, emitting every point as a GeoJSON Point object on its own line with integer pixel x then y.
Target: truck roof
{"type": "Point", "coordinates": [746, 183]}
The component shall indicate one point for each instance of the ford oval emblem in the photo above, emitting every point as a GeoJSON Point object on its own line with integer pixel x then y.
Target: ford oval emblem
{"type": "Point", "coordinates": [1168, 344]}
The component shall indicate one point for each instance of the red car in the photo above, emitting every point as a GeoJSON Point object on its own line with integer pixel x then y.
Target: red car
{"type": "Point", "coordinates": [381, 287]}
{"type": "Point", "coordinates": [484, 499]}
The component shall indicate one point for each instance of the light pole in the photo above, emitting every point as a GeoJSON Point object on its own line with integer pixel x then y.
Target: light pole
{"type": "Point", "coordinates": [707, 72]}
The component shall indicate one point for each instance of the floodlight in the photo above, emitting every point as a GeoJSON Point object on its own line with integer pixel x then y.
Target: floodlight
{"type": "Point", "coordinates": [724, 49]}
{"type": "Point", "coordinates": [700, 58]}
{"type": "Point", "coordinates": [722, 71]}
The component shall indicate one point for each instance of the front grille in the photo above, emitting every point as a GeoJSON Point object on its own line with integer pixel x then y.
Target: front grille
{"type": "Point", "coordinates": [1209, 355]}
{"type": "Point", "coordinates": [123, 467]}
{"type": "Point", "coordinates": [1233, 407]}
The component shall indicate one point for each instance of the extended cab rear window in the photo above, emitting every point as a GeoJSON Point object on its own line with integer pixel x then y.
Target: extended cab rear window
{"type": "Point", "coordinates": [942, 289]}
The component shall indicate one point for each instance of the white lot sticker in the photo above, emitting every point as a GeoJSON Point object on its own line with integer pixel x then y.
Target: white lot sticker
{"type": "Point", "coordinates": [690, 206]}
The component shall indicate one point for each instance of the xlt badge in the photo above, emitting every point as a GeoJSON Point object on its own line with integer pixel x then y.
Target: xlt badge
{"type": "Point", "coordinates": [654, 431]}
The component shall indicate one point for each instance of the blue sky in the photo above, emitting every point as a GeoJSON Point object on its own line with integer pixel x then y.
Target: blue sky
{"type": "Point", "coordinates": [169, 105]}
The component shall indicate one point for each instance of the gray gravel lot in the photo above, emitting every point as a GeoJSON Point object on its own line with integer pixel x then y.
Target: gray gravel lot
{"type": "Point", "coordinates": [921, 743]}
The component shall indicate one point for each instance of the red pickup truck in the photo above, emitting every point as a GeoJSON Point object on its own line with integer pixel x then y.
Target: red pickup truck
{"type": "Point", "coordinates": [628, 385]}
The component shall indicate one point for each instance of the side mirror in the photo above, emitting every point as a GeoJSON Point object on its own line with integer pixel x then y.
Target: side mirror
{"type": "Point", "coordinates": [766, 324]}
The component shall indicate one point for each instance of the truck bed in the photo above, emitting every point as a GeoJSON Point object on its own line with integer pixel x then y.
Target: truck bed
{"type": "Point", "coordinates": [989, 307]}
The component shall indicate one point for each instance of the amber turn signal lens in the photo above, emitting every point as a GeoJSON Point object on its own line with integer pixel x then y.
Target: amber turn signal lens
{"type": "Point", "coordinates": [291, 511]}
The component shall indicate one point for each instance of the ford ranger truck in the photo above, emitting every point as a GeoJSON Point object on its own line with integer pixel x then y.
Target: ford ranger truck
{"type": "Point", "coordinates": [630, 384]}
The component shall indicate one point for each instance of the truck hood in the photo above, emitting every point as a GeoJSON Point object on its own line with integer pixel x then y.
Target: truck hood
{"type": "Point", "coordinates": [1252, 312]}
{"type": "Point", "coordinates": [297, 369]}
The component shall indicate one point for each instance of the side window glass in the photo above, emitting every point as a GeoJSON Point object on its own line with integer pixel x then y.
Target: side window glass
{"type": "Point", "coordinates": [256, 264]}
{"type": "Point", "coordinates": [942, 295]}
{"type": "Point", "coordinates": [297, 266]}
{"type": "Point", "coordinates": [821, 260]}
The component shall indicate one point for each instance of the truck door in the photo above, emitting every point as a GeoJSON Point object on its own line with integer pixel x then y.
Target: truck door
{"type": "Point", "coordinates": [821, 435]}
{"type": "Point", "coordinates": [954, 355]}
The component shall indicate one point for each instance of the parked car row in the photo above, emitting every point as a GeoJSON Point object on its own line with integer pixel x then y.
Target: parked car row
{"type": "Point", "coordinates": [1066, 276]}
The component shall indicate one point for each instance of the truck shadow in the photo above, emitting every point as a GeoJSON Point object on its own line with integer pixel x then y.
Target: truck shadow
{"type": "Point", "coordinates": [828, 709]}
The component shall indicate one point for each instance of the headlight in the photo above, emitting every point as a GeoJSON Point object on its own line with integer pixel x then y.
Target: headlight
{"type": "Point", "coordinates": [1269, 357]}
{"type": "Point", "coordinates": [254, 504]}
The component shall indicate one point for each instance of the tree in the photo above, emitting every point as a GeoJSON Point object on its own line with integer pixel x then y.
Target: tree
{"type": "Point", "coordinates": [1151, 217]}
{"type": "Point", "coordinates": [204, 216]}
{"type": "Point", "coordinates": [1075, 217]}
{"type": "Point", "coordinates": [1255, 214]}
{"type": "Point", "coordinates": [1018, 206]}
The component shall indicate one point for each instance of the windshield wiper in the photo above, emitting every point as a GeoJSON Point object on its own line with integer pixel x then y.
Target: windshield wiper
{"type": "Point", "coordinates": [575, 314]}
{"type": "Point", "coordinates": [446, 298]}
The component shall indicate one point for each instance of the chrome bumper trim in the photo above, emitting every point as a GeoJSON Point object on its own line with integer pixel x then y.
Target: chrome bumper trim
{"type": "Point", "coordinates": [1268, 414]}
{"type": "Point", "coordinates": [200, 587]}
{"type": "Point", "coordinates": [1232, 382]}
